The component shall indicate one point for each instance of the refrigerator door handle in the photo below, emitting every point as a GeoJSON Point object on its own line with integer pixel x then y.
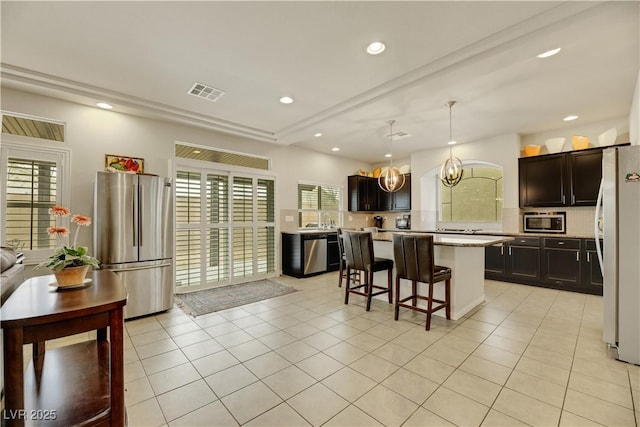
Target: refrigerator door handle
{"type": "Point", "coordinates": [140, 211]}
{"type": "Point", "coordinates": [134, 230]}
{"type": "Point", "coordinates": [596, 227]}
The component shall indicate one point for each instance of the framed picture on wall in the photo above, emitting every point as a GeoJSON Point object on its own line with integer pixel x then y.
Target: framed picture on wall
{"type": "Point", "coordinates": [116, 163]}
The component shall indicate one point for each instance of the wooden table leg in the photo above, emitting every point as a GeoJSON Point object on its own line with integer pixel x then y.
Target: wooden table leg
{"type": "Point", "coordinates": [13, 414]}
{"type": "Point", "coordinates": [116, 338]}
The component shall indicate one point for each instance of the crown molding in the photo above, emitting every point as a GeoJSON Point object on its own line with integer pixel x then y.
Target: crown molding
{"type": "Point", "coordinates": [30, 80]}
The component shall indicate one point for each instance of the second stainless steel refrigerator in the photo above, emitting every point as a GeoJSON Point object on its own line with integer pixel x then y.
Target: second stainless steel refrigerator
{"type": "Point", "coordinates": [620, 192]}
{"type": "Point", "coordinates": [133, 236]}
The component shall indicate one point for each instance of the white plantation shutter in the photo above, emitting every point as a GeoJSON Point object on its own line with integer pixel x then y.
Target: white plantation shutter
{"type": "Point", "coordinates": [33, 178]}
{"type": "Point", "coordinates": [226, 228]}
{"type": "Point", "coordinates": [31, 189]}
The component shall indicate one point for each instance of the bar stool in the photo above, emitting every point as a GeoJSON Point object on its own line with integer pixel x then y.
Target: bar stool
{"type": "Point", "coordinates": [358, 250]}
{"type": "Point", "coordinates": [342, 269]}
{"type": "Point", "coordinates": [414, 261]}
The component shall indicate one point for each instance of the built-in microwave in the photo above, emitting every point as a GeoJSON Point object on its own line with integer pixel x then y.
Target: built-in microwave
{"type": "Point", "coordinates": [545, 222]}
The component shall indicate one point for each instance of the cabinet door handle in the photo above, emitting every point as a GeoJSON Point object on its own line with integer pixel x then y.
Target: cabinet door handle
{"type": "Point", "coordinates": [561, 243]}
{"type": "Point", "coordinates": [563, 199]}
{"type": "Point", "coordinates": [588, 257]}
{"type": "Point", "coordinates": [501, 250]}
{"type": "Point", "coordinates": [573, 199]}
{"type": "Point", "coordinates": [509, 250]}
{"type": "Point", "coordinates": [577, 256]}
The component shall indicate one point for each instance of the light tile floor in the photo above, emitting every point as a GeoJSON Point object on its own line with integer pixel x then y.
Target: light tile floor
{"type": "Point", "coordinates": [527, 356]}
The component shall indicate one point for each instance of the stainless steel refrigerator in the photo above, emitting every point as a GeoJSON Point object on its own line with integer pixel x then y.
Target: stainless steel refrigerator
{"type": "Point", "coordinates": [619, 214]}
{"type": "Point", "coordinates": [133, 236]}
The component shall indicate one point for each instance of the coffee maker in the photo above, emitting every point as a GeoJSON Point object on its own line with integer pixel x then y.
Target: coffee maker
{"type": "Point", "coordinates": [377, 221]}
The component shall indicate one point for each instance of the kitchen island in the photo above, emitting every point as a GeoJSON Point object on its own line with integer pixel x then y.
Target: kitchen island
{"type": "Point", "coordinates": [464, 254]}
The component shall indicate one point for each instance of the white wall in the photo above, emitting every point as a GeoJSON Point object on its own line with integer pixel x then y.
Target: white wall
{"type": "Point", "coordinates": [91, 133]}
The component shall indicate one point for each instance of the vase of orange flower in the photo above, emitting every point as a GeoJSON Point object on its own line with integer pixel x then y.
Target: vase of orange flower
{"type": "Point", "coordinates": [70, 263]}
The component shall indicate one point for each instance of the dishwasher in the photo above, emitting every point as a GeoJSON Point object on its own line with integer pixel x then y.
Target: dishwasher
{"type": "Point", "coordinates": [315, 253]}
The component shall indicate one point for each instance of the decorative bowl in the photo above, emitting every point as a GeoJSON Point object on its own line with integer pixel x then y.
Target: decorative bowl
{"type": "Point", "coordinates": [579, 142]}
{"type": "Point", "coordinates": [554, 145]}
{"type": "Point", "coordinates": [532, 150]}
{"type": "Point", "coordinates": [608, 137]}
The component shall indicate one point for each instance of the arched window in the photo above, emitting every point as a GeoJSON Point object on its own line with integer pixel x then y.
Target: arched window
{"type": "Point", "coordinates": [477, 198]}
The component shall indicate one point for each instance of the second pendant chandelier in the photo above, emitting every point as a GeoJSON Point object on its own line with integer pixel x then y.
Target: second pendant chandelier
{"type": "Point", "coordinates": [452, 170]}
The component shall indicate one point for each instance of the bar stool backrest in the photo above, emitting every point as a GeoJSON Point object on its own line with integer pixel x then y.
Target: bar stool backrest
{"type": "Point", "coordinates": [413, 256]}
{"type": "Point", "coordinates": [358, 250]}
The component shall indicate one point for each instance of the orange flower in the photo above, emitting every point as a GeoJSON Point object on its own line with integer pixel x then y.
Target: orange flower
{"type": "Point", "coordinates": [81, 220]}
{"type": "Point", "coordinates": [59, 211]}
{"type": "Point", "coordinates": [58, 231]}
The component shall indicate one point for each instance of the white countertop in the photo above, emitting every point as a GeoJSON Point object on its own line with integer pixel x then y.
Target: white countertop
{"type": "Point", "coordinates": [474, 240]}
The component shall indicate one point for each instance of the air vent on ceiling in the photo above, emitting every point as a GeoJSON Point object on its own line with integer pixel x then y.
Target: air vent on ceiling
{"type": "Point", "coordinates": [399, 135]}
{"type": "Point", "coordinates": [209, 93]}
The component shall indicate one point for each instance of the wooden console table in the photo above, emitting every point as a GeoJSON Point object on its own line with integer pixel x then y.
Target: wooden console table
{"type": "Point", "coordinates": [80, 384]}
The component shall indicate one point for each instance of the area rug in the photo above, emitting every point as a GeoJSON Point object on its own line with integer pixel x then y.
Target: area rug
{"type": "Point", "coordinates": [211, 300]}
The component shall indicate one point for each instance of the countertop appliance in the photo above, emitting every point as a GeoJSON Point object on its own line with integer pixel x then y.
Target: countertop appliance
{"type": "Point", "coordinates": [133, 236]}
{"type": "Point", "coordinates": [377, 221]}
{"type": "Point", "coordinates": [619, 204]}
{"type": "Point", "coordinates": [403, 222]}
{"type": "Point", "coordinates": [545, 222]}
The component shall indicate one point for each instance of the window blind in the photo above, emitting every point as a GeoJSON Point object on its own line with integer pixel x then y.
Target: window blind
{"type": "Point", "coordinates": [31, 189]}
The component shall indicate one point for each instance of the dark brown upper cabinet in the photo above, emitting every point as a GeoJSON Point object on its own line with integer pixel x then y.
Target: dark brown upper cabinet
{"type": "Point", "coordinates": [543, 180]}
{"type": "Point", "coordinates": [564, 179]}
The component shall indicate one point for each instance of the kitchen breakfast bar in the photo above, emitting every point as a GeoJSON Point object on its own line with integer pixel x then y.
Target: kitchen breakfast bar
{"type": "Point", "coordinates": [464, 254]}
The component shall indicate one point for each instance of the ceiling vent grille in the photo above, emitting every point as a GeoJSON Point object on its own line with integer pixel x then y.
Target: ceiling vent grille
{"type": "Point", "coordinates": [209, 93]}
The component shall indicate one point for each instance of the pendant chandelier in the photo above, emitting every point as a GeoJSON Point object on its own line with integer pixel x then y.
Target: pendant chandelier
{"type": "Point", "coordinates": [391, 180]}
{"type": "Point", "coordinates": [451, 171]}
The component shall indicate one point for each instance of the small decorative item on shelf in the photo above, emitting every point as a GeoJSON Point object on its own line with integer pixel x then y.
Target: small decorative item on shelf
{"type": "Point", "coordinates": [531, 150]}
{"type": "Point", "coordinates": [69, 264]}
{"type": "Point", "coordinates": [608, 137]}
{"type": "Point", "coordinates": [579, 142]}
{"type": "Point", "coordinates": [554, 145]}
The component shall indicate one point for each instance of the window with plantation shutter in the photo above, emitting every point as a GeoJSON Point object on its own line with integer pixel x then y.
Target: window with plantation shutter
{"type": "Point", "coordinates": [319, 205]}
{"type": "Point", "coordinates": [32, 182]}
{"type": "Point", "coordinates": [225, 228]}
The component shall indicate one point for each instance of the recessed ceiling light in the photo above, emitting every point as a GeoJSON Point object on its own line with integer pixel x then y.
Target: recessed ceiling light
{"type": "Point", "coordinates": [388, 155]}
{"type": "Point", "coordinates": [104, 105]}
{"type": "Point", "coordinates": [452, 142]}
{"type": "Point", "coordinates": [197, 151]}
{"type": "Point", "coordinates": [335, 149]}
{"type": "Point", "coordinates": [375, 48]}
{"type": "Point", "coordinates": [549, 53]}
{"type": "Point", "coordinates": [317, 135]}
{"type": "Point", "coordinates": [286, 100]}
{"type": "Point", "coordinates": [569, 118]}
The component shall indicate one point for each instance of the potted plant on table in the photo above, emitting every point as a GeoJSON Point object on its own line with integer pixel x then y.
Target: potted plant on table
{"type": "Point", "coordinates": [70, 263]}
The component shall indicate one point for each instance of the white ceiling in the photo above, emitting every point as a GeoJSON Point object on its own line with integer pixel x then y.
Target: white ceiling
{"type": "Point", "coordinates": [143, 57]}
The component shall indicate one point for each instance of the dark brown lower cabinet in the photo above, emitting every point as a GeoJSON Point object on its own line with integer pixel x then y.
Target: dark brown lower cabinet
{"type": "Point", "coordinates": [517, 261]}
{"type": "Point", "coordinates": [569, 264]}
